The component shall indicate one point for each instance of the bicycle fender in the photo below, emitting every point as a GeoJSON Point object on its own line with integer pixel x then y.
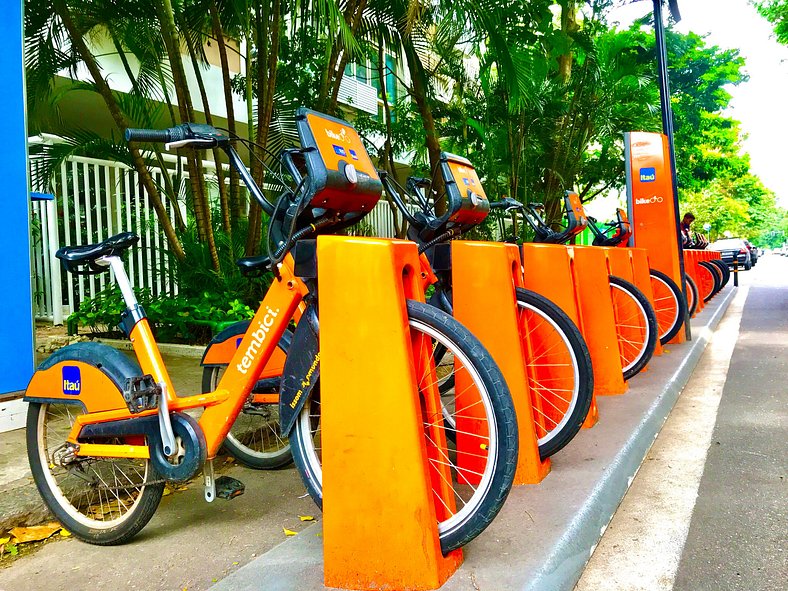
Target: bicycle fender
{"type": "Point", "coordinates": [301, 372]}
{"type": "Point", "coordinates": [223, 346]}
{"type": "Point", "coordinates": [89, 374]}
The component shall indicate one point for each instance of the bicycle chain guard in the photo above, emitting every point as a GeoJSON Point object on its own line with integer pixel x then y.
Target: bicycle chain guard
{"type": "Point", "coordinates": [192, 447]}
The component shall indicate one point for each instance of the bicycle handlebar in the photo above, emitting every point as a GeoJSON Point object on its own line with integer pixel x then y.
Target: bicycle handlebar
{"type": "Point", "coordinates": [148, 135]}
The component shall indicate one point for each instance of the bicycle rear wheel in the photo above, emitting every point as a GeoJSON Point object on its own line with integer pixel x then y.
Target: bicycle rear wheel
{"type": "Point", "coordinates": [478, 464]}
{"type": "Point", "coordinates": [692, 295]}
{"type": "Point", "coordinates": [636, 326]}
{"type": "Point", "coordinates": [726, 272]}
{"type": "Point", "coordinates": [560, 376]}
{"type": "Point", "coordinates": [712, 281]}
{"type": "Point", "coordinates": [668, 305]}
{"type": "Point", "coordinates": [103, 501]}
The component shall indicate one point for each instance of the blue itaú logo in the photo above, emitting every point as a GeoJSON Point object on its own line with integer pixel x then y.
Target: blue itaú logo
{"type": "Point", "coordinates": [648, 175]}
{"type": "Point", "coordinates": [72, 380]}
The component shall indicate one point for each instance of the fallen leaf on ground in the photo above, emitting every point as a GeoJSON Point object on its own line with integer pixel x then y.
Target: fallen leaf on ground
{"type": "Point", "coordinates": [306, 518]}
{"type": "Point", "coordinates": [5, 540]}
{"type": "Point", "coordinates": [64, 533]}
{"type": "Point", "coordinates": [288, 532]}
{"type": "Point", "coordinates": [35, 533]}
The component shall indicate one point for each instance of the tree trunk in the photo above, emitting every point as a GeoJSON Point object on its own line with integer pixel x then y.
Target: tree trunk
{"type": "Point", "coordinates": [419, 93]}
{"type": "Point", "coordinates": [202, 212]}
{"type": "Point", "coordinates": [218, 32]}
{"type": "Point", "coordinates": [269, 22]}
{"type": "Point", "coordinates": [78, 43]}
{"type": "Point", "coordinates": [388, 155]}
{"type": "Point", "coordinates": [224, 204]}
{"type": "Point", "coordinates": [169, 189]}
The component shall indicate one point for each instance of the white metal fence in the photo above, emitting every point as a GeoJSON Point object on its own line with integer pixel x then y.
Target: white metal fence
{"type": "Point", "coordinates": [95, 199]}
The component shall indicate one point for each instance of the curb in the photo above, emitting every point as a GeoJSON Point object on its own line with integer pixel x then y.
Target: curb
{"type": "Point", "coordinates": [195, 351]}
{"type": "Point", "coordinates": [545, 534]}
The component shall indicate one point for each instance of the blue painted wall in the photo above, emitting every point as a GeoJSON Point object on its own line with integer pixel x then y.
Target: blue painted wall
{"type": "Point", "coordinates": [16, 325]}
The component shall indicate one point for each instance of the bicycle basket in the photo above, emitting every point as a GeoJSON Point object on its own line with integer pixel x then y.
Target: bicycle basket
{"type": "Point", "coordinates": [342, 177]}
{"type": "Point", "coordinates": [467, 201]}
{"type": "Point", "coordinates": [575, 213]}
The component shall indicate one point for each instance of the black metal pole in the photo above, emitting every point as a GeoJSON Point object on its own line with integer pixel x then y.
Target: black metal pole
{"type": "Point", "coordinates": [667, 129]}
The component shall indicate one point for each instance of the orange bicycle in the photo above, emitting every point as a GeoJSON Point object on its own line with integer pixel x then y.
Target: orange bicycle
{"type": "Point", "coordinates": [105, 433]}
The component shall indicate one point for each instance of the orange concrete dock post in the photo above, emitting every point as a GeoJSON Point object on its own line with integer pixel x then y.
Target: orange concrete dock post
{"type": "Point", "coordinates": [492, 271]}
{"type": "Point", "coordinates": [548, 272]}
{"type": "Point", "coordinates": [689, 269]}
{"type": "Point", "coordinates": [376, 476]}
{"type": "Point", "coordinates": [651, 204]}
{"type": "Point", "coordinates": [597, 319]}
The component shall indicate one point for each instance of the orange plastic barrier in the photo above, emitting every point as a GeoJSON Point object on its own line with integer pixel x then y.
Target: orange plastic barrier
{"type": "Point", "coordinates": [597, 319]}
{"type": "Point", "coordinates": [548, 272]}
{"type": "Point", "coordinates": [494, 269]}
{"type": "Point", "coordinates": [690, 261]}
{"type": "Point", "coordinates": [376, 475]}
{"type": "Point", "coordinates": [641, 275]}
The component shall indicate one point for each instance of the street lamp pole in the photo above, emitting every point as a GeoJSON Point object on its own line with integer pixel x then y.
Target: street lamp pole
{"type": "Point", "coordinates": [667, 123]}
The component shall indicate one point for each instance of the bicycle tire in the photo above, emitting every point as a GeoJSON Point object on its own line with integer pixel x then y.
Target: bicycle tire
{"type": "Point", "coordinates": [561, 341]}
{"type": "Point", "coordinates": [726, 272]}
{"type": "Point", "coordinates": [498, 475]}
{"type": "Point", "coordinates": [692, 293]}
{"type": "Point", "coordinates": [636, 307]}
{"type": "Point", "coordinates": [82, 520]}
{"type": "Point", "coordinates": [716, 278]}
{"type": "Point", "coordinates": [669, 305]}
{"type": "Point", "coordinates": [244, 443]}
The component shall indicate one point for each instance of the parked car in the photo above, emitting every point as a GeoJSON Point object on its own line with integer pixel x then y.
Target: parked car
{"type": "Point", "coordinates": [753, 252]}
{"type": "Point", "coordinates": [733, 248]}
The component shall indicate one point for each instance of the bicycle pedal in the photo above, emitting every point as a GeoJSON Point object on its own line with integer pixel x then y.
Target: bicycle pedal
{"type": "Point", "coordinates": [228, 487]}
{"type": "Point", "coordinates": [141, 393]}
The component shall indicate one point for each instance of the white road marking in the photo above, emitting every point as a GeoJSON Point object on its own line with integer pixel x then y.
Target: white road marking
{"type": "Point", "coordinates": [642, 545]}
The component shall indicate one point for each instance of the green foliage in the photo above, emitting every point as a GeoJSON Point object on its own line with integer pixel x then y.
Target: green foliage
{"type": "Point", "coordinates": [179, 318]}
{"type": "Point", "coordinates": [776, 12]}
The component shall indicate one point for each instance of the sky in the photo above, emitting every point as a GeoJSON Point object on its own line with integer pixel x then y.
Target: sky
{"type": "Point", "coordinates": [761, 104]}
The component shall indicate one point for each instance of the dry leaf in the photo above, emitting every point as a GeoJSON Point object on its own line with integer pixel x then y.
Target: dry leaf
{"type": "Point", "coordinates": [166, 492]}
{"type": "Point", "coordinates": [35, 533]}
{"type": "Point", "coordinates": [306, 518]}
{"type": "Point", "coordinates": [4, 540]}
{"type": "Point", "coordinates": [64, 533]}
{"type": "Point", "coordinates": [288, 532]}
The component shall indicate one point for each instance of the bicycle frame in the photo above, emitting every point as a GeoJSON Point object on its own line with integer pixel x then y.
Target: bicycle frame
{"type": "Point", "coordinates": [224, 404]}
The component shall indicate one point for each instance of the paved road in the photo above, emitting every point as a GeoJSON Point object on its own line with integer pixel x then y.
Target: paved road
{"type": "Point", "coordinates": [738, 537]}
{"type": "Point", "coordinates": [708, 510]}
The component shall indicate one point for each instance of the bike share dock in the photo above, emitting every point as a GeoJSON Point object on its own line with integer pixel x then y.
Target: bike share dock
{"type": "Point", "coordinates": [545, 533]}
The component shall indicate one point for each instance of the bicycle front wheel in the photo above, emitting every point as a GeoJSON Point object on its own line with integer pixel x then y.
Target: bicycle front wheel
{"type": "Point", "coordinates": [636, 326]}
{"type": "Point", "coordinates": [668, 305]}
{"type": "Point", "coordinates": [560, 376]}
{"type": "Point", "coordinates": [477, 462]}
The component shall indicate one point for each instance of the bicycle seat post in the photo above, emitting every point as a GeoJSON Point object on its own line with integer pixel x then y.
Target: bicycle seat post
{"type": "Point", "coordinates": [130, 318]}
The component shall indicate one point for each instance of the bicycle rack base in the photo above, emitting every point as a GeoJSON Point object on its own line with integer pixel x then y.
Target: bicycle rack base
{"type": "Point", "coordinates": [379, 514]}
{"type": "Point", "coordinates": [484, 277]}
